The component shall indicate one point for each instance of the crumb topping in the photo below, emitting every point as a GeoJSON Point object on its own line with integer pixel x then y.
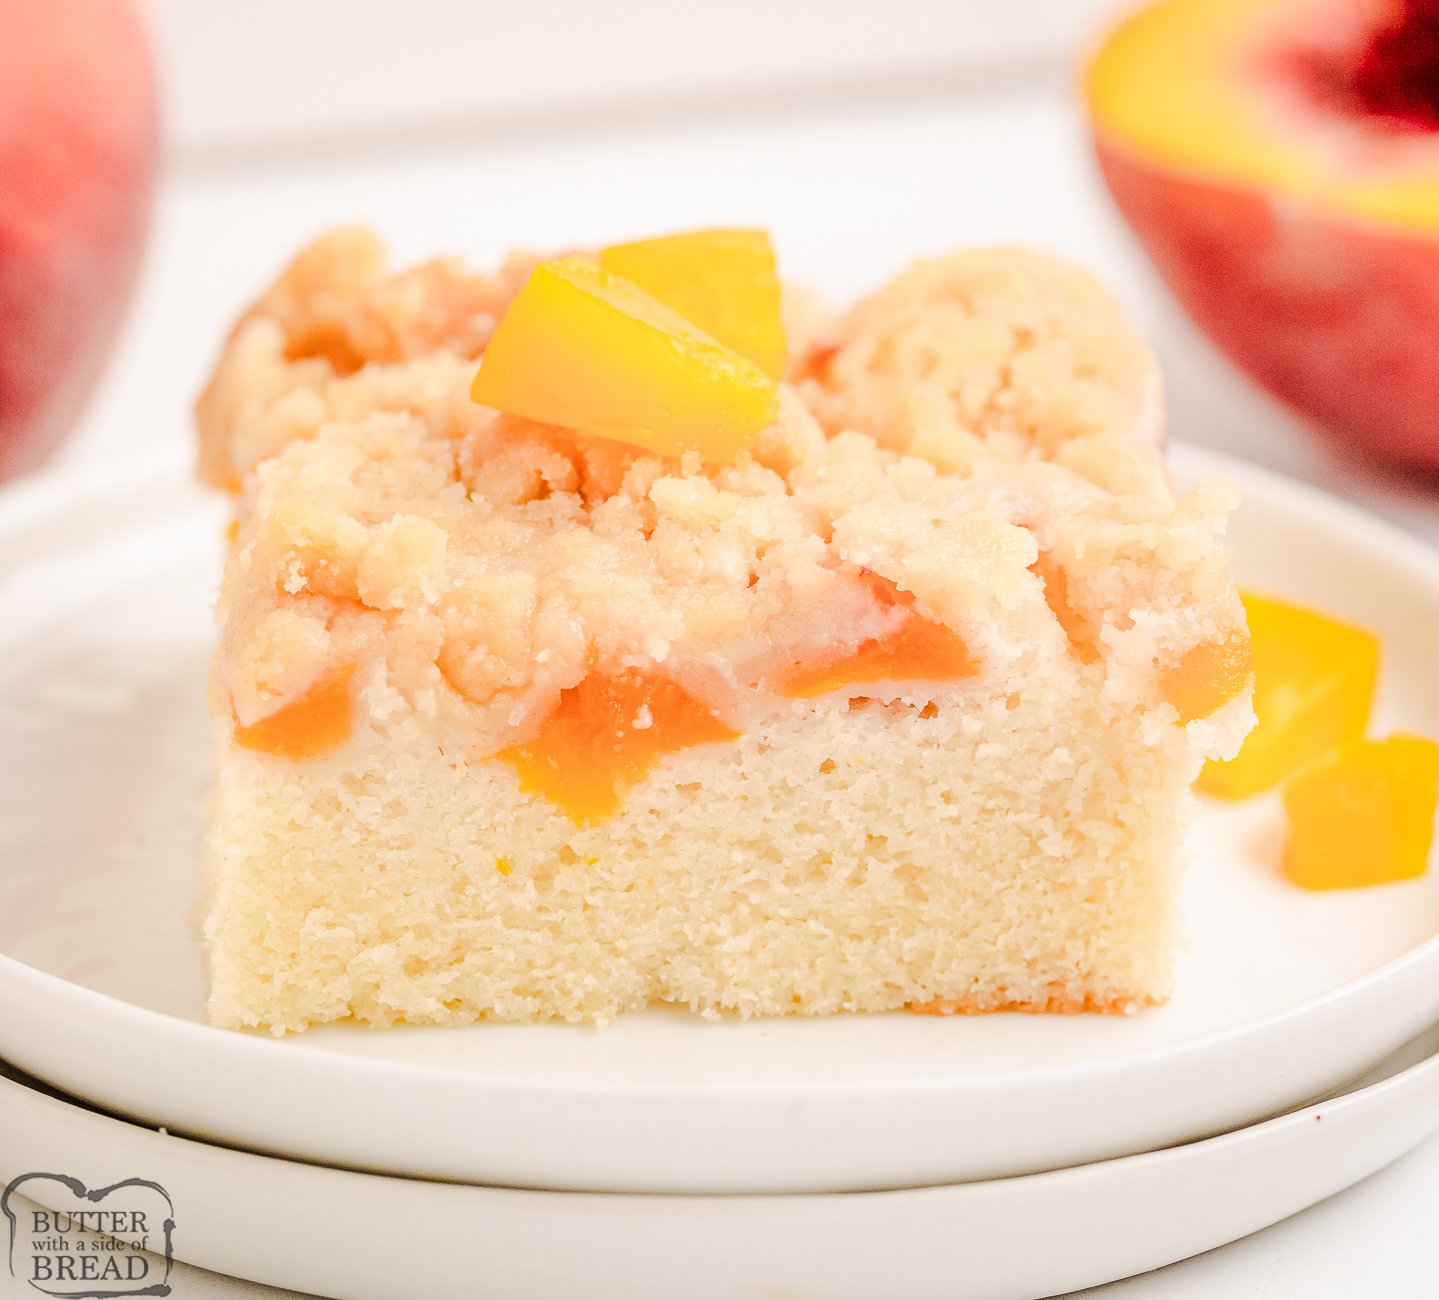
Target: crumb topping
{"type": "Point", "coordinates": [980, 436]}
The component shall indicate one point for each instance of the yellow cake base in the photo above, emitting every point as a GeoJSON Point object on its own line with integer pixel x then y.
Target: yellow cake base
{"type": "Point", "coordinates": [1011, 850]}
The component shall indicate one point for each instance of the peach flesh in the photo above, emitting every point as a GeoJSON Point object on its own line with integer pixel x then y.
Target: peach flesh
{"type": "Point", "coordinates": [319, 720]}
{"type": "Point", "coordinates": [606, 735]}
{"type": "Point", "coordinates": [1397, 75]}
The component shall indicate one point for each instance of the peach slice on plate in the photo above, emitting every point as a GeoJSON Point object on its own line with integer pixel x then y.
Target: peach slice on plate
{"type": "Point", "coordinates": [1313, 683]}
{"type": "Point", "coordinates": [1279, 161]}
{"type": "Point", "coordinates": [1363, 815]}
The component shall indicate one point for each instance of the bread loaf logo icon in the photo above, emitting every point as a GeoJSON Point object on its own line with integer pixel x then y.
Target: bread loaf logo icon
{"type": "Point", "coordinates": [75, 1243]}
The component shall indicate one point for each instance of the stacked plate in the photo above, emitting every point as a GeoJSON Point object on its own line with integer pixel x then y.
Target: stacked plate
{"type": "Point", "coordinates": [850, 1156]}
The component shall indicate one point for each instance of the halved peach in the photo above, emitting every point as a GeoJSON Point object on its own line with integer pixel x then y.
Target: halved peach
{"type": "Point", "coordinates": [1279, 161]}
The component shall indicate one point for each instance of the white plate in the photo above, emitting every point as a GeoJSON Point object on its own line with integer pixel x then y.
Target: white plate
{"type": "Point", "coordinates": [367, 1237]}
{"type": "Point", "coordinates": [104, 635]}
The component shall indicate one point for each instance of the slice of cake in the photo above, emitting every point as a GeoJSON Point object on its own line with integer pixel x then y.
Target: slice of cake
{"type": "Point", "coordinates": [878, 687]}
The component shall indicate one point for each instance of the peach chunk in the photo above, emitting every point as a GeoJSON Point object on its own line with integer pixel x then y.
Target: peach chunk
{"type": "Point", "coordinates": [917, 650]}
{"type": "Point", "coordinates": [724, 281]}
{"type": "Point", "coordinates": [1208, 676]}
{"type": "Point", "coordinates": [606, 735]}
{"type": "Point", "coordinates": [1077, 625]}
{"type": "Point", "coordinates": [585, 349]}
{"type": "Point", "coordinates": [317, 721]}
{"type": "Point", "coordinates": [1313, 684]}
{"type": "Point", "coordinates": [1363, 814]}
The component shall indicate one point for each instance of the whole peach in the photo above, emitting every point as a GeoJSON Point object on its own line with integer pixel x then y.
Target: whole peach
{"type": "Point", "coordinates": [78, 151]}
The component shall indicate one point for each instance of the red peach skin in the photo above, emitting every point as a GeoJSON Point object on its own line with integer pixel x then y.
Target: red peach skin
{"type": "Point", "coordinates": [1337, 318]}
{"type": "Point", "coordinates": [78, 149]}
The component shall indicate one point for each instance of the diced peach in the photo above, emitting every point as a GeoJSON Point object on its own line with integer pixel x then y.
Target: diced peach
{"type": "Point", "coordinates": [724, 281]}
{"type": "Point", "coordinates": [918, 650]}
{"type": "Point", "coordinates": [606, 735]}
{"type": "Point", "coordinates": [1363, 814]}
{"type": "Point", "coordinates": [319, 720]}
{"type": "Point", "coordinates": [1077, 626]}
{"type": "Point", "coordinates": [585, 349]}
{"type": "Point", "coordinates": [1208, 676]}
{"type": "Point", "coordinates": [1313, 684]}
{"type": "Point", "coordinates": [816, 364]}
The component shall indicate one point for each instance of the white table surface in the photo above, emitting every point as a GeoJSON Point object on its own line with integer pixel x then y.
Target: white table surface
{"type": "Point", "coordinates": [851, 185]}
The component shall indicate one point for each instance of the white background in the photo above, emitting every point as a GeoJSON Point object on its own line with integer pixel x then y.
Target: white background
{"type": "Point", "coordinates": [861, 134]}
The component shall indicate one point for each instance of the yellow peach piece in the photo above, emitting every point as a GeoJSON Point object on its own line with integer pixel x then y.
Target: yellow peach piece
{"type": "Point", "coordinates": [585, 349]}
{"type": "Point", "coordinates": [1078, 626]}
{"type": "Point", "coordinates": [1208, 676]}
{"type": "Point", "coordinates": [724, 281]}
{"type": "Point", "coordinates": [1313, 683]}
{"type": "Point", "coordinates": [917, 651]}
{"type": "Point", "coordinates": [317, 721]}
{"type": "Point", "coordinates": [1363, 814]}
{"type": "Point", "coordinates": [606, 735]}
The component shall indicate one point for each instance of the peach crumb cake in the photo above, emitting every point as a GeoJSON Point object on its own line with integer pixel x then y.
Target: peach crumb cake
{"type": "Point", "coordinates": [617, 629]}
